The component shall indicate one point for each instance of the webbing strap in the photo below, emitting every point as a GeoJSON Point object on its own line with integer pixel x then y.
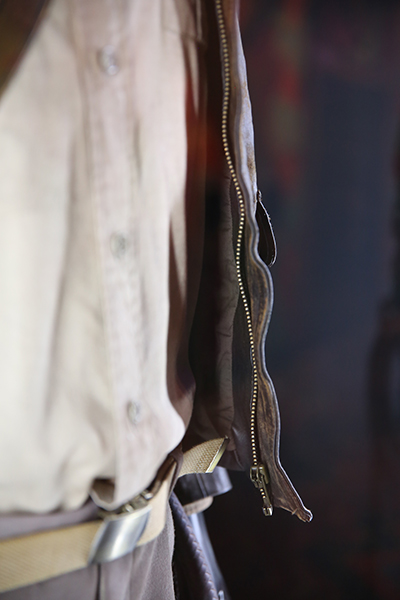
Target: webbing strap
{"type": "Point", "coordinates": [204, 457]}
{"type": "Point", "coordinates": [32, 558]}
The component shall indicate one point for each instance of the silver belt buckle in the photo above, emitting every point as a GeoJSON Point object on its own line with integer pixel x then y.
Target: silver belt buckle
{"type": "Point", "coordinates": [120, 531]}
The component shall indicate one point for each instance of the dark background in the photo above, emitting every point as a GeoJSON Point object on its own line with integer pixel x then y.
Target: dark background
{"type": "Point", "coordinates": [324, 80]}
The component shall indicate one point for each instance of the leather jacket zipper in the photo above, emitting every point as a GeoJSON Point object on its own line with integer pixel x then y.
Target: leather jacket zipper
{"type": "Point", "coordinates": [258, 472]}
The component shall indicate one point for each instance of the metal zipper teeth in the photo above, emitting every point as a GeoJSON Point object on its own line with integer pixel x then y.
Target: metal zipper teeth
{"type": "Point", "coordinates": [242, 212]}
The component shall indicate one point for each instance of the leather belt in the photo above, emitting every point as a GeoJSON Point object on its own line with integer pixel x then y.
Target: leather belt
{"type": "Point", "coordinates": [32, 558]}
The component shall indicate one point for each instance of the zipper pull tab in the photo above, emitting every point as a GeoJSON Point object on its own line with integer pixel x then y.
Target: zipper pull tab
{"type": "Point", "coordinates": [259, 477]}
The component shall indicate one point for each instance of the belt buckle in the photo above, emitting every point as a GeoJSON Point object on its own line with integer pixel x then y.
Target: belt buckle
{"type": "Point", "coordinates": [121, 530]}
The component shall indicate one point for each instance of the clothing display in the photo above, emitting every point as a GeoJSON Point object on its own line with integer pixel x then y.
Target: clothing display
{"type": "Point", "coordinates": [135, 293]}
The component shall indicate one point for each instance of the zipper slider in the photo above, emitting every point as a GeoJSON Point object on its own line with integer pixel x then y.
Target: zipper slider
{"type": "Point", "coordinates": [259, 476]}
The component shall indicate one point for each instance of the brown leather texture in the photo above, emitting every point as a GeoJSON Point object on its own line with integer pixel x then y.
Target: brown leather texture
{"type": "Point", "coordinates": [18, 21]}
{"type": "Point", "coordinates": [220, 345]}
{"type": "Point", "coordinates": [259, 282]}
{"type": "Point", "coordinates": [220, 355]}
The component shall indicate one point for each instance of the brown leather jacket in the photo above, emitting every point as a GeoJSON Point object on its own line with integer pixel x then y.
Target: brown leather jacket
{"type": "Point", "coordinates": [235, 396]}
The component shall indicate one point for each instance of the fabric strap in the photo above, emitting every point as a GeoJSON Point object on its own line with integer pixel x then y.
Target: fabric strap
{"type": "Point", "coordinates": [32, 558]}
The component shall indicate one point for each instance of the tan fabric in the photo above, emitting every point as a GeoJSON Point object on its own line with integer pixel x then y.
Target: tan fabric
{"type": "Point", "coordinates": [157, 516]}
{"type": "Point", "coordinates": [198, 506]}
{"type": "Point", "coordinates": [128, 578]}
{"type": "Point", "coordinates": [39, 556]}
{"type": "Point", "coordinates": [93, 250]}
{"type": "Point", "coordinates": [30, 559]}
{"type": "Point", "coordinates": [204, 457]}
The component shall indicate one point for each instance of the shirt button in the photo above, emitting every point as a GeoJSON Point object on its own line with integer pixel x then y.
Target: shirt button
{"type": "Point", "coordinates": [107, 59]}
{"type": "Point", "coordinates": [118, 245]}
{"type": "Point", "coordinates": [134, 412]}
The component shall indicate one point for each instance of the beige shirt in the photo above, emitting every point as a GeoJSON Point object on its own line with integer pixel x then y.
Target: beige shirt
{"type": "Point", "coordinates": [93, 250]}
